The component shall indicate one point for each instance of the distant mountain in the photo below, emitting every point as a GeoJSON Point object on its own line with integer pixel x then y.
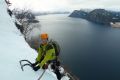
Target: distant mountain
{"type": "Point", "coordinates": [79, 14]}
{"type": "Point", "coordinates": [100, 16]}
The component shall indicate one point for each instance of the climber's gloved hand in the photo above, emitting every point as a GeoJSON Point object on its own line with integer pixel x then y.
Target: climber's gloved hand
{"type": "Point", "coordinates": [45, 66]}
{"type": "Point", "coordinates": [36, 68]}
{"type": "Point", "coordinates": [34, 64]}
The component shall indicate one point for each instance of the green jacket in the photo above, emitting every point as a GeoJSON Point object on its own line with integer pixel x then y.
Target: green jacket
{"type": "Point", "coordinates": [49, 54]}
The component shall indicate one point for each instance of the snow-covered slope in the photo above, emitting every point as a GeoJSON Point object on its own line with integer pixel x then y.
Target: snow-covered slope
{"type": "Point", "coordinates": [13, 48]}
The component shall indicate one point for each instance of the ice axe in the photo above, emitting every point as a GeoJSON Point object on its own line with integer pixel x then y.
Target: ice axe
{"type": "Point", "coordinates": [27, 64]}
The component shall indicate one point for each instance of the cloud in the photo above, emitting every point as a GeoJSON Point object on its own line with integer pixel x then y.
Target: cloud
{"type": "Point", "coordinates": [53, 5]}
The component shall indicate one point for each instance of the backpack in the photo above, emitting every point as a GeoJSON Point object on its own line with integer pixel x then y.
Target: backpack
{"type": "Point", "coordinates": [56, 47]}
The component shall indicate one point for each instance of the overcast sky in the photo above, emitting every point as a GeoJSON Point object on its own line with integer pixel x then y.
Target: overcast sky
{"type": "Point", "coordinates": [67, 5]}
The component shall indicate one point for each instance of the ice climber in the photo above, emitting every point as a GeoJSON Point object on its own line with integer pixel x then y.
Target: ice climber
{"type": "Point", "coordinates": [47, 54]}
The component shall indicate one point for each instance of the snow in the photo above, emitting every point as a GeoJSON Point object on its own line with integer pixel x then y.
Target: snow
{"type": "Point", "coordinates": [115, 25]}
{"type": "Point", "coordinates": [13, 48]}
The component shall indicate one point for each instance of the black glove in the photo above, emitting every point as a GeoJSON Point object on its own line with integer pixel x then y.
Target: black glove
{"type": "Point", "coordinates": [34, 64]}
{"type": "Point", "coordinates": [35, 68]}
{"type": "Point", "coordinates": [45, 66]}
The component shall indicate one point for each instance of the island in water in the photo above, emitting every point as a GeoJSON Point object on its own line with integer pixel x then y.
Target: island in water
{"type": "Point", "coordinates": [100, 16]}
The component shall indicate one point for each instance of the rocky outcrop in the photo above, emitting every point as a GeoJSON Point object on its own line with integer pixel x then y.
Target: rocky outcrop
{"type": "Point", "coordinates": [79, 14]}
{"type": "Point", "coordinates": [100, 16]}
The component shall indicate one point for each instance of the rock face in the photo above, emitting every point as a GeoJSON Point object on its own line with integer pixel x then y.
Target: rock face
{"type": "Point", "coordinates": [79, 14]}
{"type": "Point", "coordinates": [100, 16]}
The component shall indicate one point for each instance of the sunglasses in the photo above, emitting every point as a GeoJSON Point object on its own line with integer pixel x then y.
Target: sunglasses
{"type": "Point", "coordinates": [44, 40]}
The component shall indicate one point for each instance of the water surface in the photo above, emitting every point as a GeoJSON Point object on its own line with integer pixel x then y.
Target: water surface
{"type": "Point", "coordinates": [91, 51]}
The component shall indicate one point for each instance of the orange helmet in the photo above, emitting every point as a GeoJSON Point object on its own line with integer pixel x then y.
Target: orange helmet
{"type": "Point", "coordinates": [44, 36]}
